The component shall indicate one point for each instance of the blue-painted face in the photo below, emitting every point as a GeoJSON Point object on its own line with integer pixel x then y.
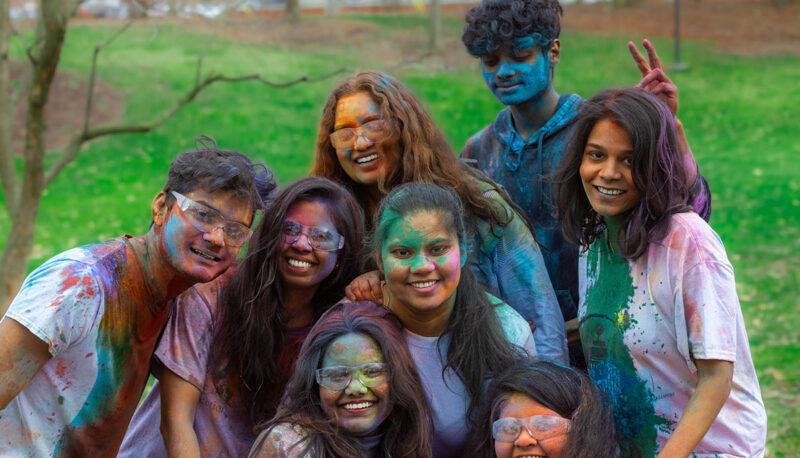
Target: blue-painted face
{"type": "Point", "coordinates": [517, 75]}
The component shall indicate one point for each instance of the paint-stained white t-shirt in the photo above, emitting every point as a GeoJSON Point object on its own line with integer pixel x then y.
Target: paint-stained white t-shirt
{"type": "Point", "coordinates": [642, 324]}
{"type": "Point", "coordinates": [93, 308]}
{"type": "Point", "coordinates": [447, 396]}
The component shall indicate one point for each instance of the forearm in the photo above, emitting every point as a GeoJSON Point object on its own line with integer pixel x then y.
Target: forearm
{"type": "Point", "coordinates": [180, 439]}
{"type": "Point", "coordinates": [713, 388]}
{"type": "Point", "coordinates": [686, 154]}
{"type": "Point", "coordinates": [22, 354]}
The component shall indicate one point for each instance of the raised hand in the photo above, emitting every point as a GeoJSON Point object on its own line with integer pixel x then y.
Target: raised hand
{"type": "Point", "coordinates": [365, 287]}
{"type": "Point", "coordinates": [654, 80]}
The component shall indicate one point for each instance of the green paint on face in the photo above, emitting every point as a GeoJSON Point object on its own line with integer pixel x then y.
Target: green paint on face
{"type": "Point", "coordinates": [608, 295]}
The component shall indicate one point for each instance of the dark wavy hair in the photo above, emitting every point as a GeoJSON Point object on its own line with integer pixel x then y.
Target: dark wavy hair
{"type": "Point", "coordinates": [250, 322]}
{"type": "Point", "coordinates": [425, 155]}
{"type": "Point", "coordinates": [494, 23]}
{"type": "Point", "coordinates": [407, 429]}
{"type": "Point", "coordinates": [569, 393]}
{"type": "Point", "coordinates": [478, 347]}
{"type": "Point", "coordinates": [657, 170]}
{"type": "Point", "coordinates": [212, 168]}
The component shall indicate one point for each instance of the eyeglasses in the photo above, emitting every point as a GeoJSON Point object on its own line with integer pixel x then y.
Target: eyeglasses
{"type": "Point", "coordinates": [336, 378]}
{"type": "Point", "coordinates": [206, 219]}
{"type": "Point", "coordinates": [319, 238]}
{"type": "Point", "coordinates": [345, 138]}
{"type": "Point", "coordinates": [540, 427]}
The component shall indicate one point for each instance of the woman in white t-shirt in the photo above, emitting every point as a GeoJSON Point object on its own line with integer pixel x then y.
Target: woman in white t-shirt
{"type": "Point", "coordinates": [457, 334]}
{"type": "Point", "coordinates": [660, 320]}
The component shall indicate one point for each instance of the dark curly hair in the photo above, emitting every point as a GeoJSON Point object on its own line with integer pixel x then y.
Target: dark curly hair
{"type": "Point", "coordinates": [495, 23]}
{"type": "Point", "coordinates": [569, 393]}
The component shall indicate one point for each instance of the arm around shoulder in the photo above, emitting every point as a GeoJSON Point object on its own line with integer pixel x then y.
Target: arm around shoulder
{"type": "Point", "coordinates": [280, 441]}
{"type": "Point", "coordinates": [22, 354]}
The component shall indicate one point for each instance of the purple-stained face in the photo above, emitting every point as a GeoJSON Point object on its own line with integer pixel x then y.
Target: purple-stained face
{"type": "Point", "coordinates": [358, 408]}
{"type": "Point", "coordinates": [517, 75]}
{"type": "Point", "coordinates": [522, 407]}
{"type": "Point", "coordinates": [300, 265]}
{"type": "Point", "coordinates": [195, 255]}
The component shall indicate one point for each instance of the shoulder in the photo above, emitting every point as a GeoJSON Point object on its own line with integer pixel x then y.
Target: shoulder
{"type": "Point", "coordinates": [282, 440]}
{"type": "Point", "coordinates": [695, 239]}
{"type": "Point", "coordinates": [483, 140]}
{"type": "Point", "coordinates": [515, 328]}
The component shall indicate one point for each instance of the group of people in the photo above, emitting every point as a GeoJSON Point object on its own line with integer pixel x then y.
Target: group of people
{"type": "Point", "coordinates": [403, 301]}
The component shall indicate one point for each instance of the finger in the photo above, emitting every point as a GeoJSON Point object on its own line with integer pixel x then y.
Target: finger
{"type": "Point", "coordinates": [648, 80]}
{"type": "Point", "coordinates": [348, 292]}
{"type": "Point", "coordinates": [655, 62]}
{"type": "Point", "coordinates": [638, 58]}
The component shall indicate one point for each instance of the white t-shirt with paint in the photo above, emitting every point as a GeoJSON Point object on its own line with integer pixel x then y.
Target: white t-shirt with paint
{"type": "Point", "coordinates": [642, 324]}
{"type": "Point", "coordinates": [447, 396]}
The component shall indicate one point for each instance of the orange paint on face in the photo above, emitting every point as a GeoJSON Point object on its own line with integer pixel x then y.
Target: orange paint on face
{"type": "Point", "coordinates": [368, 158]}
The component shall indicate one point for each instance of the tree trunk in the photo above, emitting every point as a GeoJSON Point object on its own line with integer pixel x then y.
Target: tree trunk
{"type": "Point", "coordinates": [436, 26]}
{"type": "Point", "coordinates": [292, 12]}
{"type": "Point", "coordinates": [50, 32]}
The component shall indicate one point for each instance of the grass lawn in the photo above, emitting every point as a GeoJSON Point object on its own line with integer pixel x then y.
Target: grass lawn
{"type": "Point", "coordinates": [739, 112]}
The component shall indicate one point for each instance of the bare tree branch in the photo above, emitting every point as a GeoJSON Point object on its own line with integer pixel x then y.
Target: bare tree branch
{"type": "Point", "coordinates": [8, 173]}
{"type": "Point", "coordinates": [71, 152]}
{"type": "Point", "coordinates": [93, 73]}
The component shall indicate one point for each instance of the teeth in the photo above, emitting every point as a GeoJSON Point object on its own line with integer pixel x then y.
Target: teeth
{"type": "Point", "coordinates": [358, 405]}
{"type": "Point", "coordinates": [423, 284]}
{"type": "Point", "coordinates": [365, 159]}
{"type": "Point", "coordinates": [609, 192]}
{"type": "Point", "coordinates": [298, 263]}
{"type": "Point", "coordinates": [204, 255]}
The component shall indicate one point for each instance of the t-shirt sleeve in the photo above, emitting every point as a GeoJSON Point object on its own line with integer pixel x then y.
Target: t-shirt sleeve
{"type": "Point", "coordinates": [185, 345]}
{"type": "Point", "coordinates": [59, 303]}
{"type": "Point", "coordinates": [707, 306]}
{"type": "Point", "coordinates": [515, 328]}
{"type": "Point", "coordinates": [525, 285]}
{"type": "Point", "coordinates": [284, 440]}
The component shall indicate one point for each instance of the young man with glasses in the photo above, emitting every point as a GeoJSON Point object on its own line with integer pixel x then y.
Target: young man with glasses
{"type": "Point", "coordinates": [76, 342]}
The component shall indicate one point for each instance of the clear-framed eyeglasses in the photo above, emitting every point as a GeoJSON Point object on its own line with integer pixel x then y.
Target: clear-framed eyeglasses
{"type": "Point", "coordinates": [206, 219]}
{"type": "Point", "coordinates": [320, 238]}
{"type": "Point", "coordinates": [337, 378]}
{"type": "Point", "coordinates": [540, 427]}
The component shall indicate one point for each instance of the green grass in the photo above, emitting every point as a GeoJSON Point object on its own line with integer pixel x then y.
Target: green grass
{"type": "Point", "coordinates": [739, 112]}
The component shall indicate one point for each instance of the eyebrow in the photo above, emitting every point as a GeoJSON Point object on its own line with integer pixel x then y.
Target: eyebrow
{"type": "Point", "coordinates": [360, 119]}
{"type": "Point", "coordinates": [604, 149]}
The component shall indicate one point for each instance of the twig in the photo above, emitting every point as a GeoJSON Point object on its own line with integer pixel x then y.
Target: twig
{"type": "Point", "coordinates": [93, 73]}
{"type": "Point", "coordinates": [28, 45]}
{"type": "Point", "coordinates": [77, 140]}
{"type": "Point", "coordinates": [414, 60]}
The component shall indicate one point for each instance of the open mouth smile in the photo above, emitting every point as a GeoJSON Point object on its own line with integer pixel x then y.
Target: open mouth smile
{"type": "Point", "coordinates": [358, 407]}
{"type": "Point", "coordinates": [609, 191]}
{"type": "Point", "coordinates": [204, 255]}
{"type": "Point", "coordinates": [298, 263]}
{"type": "Point", "coordinates": [366, 159]}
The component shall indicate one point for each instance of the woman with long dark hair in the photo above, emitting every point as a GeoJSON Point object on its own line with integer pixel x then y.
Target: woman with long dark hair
{"type": "Point", "coordinates": [537, 408]}
{"type": "Point", "coordinates": [375, 135]}
{"type": "Point", "coordinates": [458, 335]}
{"type": "Point", "coordinates": [230, 346]}
{"type": "Point", "coordinates": [660, 320]}
{"type": "Point", "coordinates": [354, 392]}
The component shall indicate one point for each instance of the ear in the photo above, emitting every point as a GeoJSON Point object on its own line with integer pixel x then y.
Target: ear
{"type": "Point", "coordinates": [379, 261]}
{"type": "Point", "coordinates": [160, 208]}
{"type": "Point", "coordinates": [554, 53]}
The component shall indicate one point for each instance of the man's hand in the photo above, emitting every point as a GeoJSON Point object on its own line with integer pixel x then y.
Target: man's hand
{"type": "Point", "coordinates": [654, 80]}
{"type": "Point", "coordinates": [365, 287]}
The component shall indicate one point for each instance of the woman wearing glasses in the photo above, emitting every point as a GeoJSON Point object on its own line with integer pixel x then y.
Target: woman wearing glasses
{"type": "Point", "coordinates": [354, 392]}
{"type": "Point", "coordinates": [543, 409]}
{"type": "Point", "coordinates": [230, 346]}
{"type": "Point", "coordinates": [375, 135]}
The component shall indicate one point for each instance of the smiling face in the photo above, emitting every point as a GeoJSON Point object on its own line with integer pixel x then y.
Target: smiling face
{"type": "Point", "coordinates": [421, 260]}
{"type": "Point", "coordinates": [520, 406]}
{"type": "Point", "coordinates": [370, 154]}
{"type": "Point", "coordinates": [357, 408]}
{"type": "Point", "coordinates": [519, 74]}
{"type": "Point", "coordinates": [197, 256]}
{"type": "Point", "coordinates": [300, 265]}
{"type": "Point", "coordinates": [606, 170]}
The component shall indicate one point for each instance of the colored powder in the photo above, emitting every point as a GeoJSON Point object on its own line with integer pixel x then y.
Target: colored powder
{"type": "Point", "coordinates": [603, 327]}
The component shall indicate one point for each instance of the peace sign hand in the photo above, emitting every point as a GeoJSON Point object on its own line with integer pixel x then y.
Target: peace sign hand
{"type": "Point", "coordinates": [654, 80]}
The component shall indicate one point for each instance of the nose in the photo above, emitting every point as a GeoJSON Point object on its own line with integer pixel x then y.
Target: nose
{"type": "Point", "coordinates": [504, 70]}
{"type": "Point", "coordinates": [355, 386]}
{"type": "Point", "coordinates": [302, 243]}
{"type": "Point", "coordinates": [422, 264]}
{"type": "Point", "coordinates": [525, 439]}
{"type": "Point", "coordinates": [215, 236]}
{"type": "Point", "coordinates": [362, 142]}
{"type": "Point", "coordinates": [611, 170]}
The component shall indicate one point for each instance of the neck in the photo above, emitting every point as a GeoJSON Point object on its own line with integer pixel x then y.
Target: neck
{"type": "Point", "coordinates": [297, 305]}
{"type": "Point", "coordinates": [374, 197]}
{"type": "Point", "coordinates": [162, 279]}
{"type": "Point", "coordinates": [528, 117]}
{"type": "Point", "coordinates": [427, 323]}
{"type": "Point", "coordinates": [615, 237]}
